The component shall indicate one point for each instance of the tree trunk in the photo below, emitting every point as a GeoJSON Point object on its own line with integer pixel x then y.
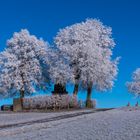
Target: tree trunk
{"type": "Point", "coordinates": [21, 97]}
{"type": "Point", "coordinates": [21, 93]}
{"type": "Point", "coordinates": [76, 86]}
{"type": "Point", "coordinates": [88, 100]}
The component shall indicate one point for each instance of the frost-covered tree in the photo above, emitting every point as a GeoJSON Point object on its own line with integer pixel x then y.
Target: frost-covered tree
{"type": "Point", "coordinates": [59, 71]}
{"type": "Point", "coordinates": [21, 70]}
{"type": "Point", "coordinates": [134, 86]}
{"type": "Point", "coordinates": [88, 47]}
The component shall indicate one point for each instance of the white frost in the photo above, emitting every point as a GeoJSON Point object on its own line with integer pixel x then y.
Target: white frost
{"type": "Point", "coordinates": [134, 86]}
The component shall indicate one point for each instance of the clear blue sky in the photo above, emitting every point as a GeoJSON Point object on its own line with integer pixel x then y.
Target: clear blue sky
{"type": "Point", "coordinates": [45, 17]}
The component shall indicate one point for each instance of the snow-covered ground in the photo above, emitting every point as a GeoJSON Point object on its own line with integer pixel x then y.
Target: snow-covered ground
{"type": "Point", "coordinates": [117, 124]}
{"type": "Point", "coordinates": [15, 118]}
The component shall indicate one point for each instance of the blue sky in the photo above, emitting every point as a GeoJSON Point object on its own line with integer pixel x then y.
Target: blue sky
{"type": "Point", "coordinates": [45, 17]}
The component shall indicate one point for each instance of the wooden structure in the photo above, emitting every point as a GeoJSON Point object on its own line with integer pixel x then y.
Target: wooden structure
{"type": "Point", "coordinates": [59, 89]}
{"type": "Point", "coordinates": [17, 104]}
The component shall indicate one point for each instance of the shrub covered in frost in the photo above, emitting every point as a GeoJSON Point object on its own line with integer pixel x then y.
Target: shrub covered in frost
{"type": "Point", "coordinates": [50, 102]}
{"type": "Point", "coordinates": [81, 104]}
{"type": "Point", "coordinates": [94, 103]}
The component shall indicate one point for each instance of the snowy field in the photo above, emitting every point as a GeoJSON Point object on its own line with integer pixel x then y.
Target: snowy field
{"type": "Point", "coordinates": [117, 124]}
{"type": "Point", "coordinates": [16, 118]}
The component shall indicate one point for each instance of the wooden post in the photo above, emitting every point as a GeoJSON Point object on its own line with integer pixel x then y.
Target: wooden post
{"type": "Point", "coordinates": [17, 104]}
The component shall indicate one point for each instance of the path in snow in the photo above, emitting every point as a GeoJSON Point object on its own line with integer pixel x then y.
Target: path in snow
{"type": "Point", "coordinates": [117, 124]}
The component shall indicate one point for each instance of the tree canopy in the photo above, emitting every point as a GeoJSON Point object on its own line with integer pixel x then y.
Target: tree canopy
{"type": "Point", "coordinates": [20, 63]}
{"type": "Point", "coordinates": [134, 85]}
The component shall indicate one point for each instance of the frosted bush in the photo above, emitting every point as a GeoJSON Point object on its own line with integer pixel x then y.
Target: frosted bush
{"type": "Point", "coordinates": [81, 104]}
{"type": "Point", "coordinates": [94, 103]}
{"type": "Point", "coordinates": [50, 102]}
{"type": "Point", "coordinates": [73, 101]}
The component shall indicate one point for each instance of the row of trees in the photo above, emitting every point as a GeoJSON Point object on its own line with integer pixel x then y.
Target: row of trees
{"type": "Point", "coordinates": [81, 54]}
